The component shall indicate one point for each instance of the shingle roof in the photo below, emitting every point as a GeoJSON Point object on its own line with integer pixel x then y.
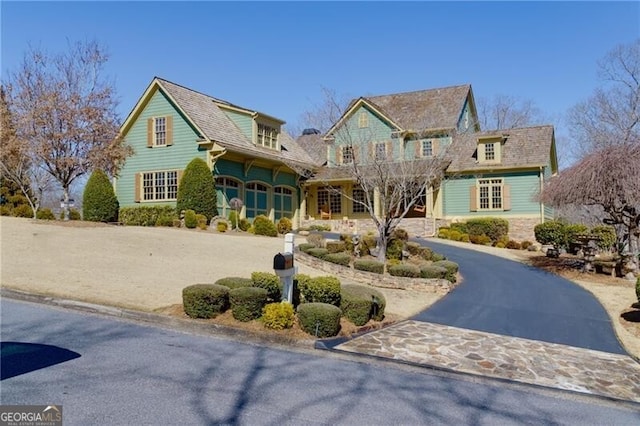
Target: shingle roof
{"type": "Point", "coordinates": [216, 126]}
{"type": "Point", "coordinates": [315, 146]}
{"type": "Point", "coordinates": [425, 109]}
{"type": "Point", "coordinates": [523, 147]}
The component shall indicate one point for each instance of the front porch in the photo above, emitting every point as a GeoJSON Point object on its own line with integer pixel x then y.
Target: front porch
{"type": "Point", "coordinates": [416, 227]}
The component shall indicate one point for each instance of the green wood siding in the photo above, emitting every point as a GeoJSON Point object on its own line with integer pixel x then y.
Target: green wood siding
{"type": "Point", "coordinates": [243, 121]}
{"type": "Point", "coordinates": [462, 126]}
{"type": "Point", "coordinates": [413, 147]}
{"type": "Point", "coordinates": [350, 133]}
{"type": "Point", "coordinates": [523, 187]}
{"type": "Point", "coordinates": [549, 212]}
{"type": "Point", "coordinates": [235, 170]}
{"type": "Point", "coordinates": [174, 157]}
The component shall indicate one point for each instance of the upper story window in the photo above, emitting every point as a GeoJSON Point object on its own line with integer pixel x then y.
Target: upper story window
{"type": "Point", "coordinates": [363, 119]}
{"type": "Point", "coordinates": [427, 148]}
{"type": "Point", "coordinates": [347, 154]}
{"type": "Point", "coordinates": [489, 151]}
{"type": "Point", "coordinates": [267, 136]}
{"type": "Point", "coordinates": [160, 131]}
{"type": "Point", "coordinates": [381, 151]}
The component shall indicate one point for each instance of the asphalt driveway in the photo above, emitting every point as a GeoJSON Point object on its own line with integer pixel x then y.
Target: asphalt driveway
{"type": "Point", "coordinates": [509, 298]}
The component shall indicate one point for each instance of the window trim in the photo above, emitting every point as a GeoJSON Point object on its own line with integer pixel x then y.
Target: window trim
{"type": "Point", "coordinates": [334, 199]}
{"type": "Point", "coordinates": [347, 154]}
{"type": "Point", "coordinates": [490, 184]}
{"type": "Point", "coordinates": [356, 207]}
{"type": "Point", "coordinates": [266, 133]}
{"type": "Point", "coordinates": [363, 120]}
{"type": "Point", "coordinates": [422, 147]}
{"type": "Point", "coordinates": [169, 189]}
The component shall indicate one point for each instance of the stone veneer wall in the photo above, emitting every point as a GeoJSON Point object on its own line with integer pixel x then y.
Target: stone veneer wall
{"type": "Point", "coordinates": [519, 229]}
{"type": "Point", "coordinates": [438, 286]}
{"type": "Point", "coordinates": [416, 227]}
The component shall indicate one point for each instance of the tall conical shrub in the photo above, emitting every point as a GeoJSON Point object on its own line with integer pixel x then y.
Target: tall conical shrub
{"type": "Point", "coordinates": [99, 201]}
{"type": "Point", "coordinates": [197, 189]}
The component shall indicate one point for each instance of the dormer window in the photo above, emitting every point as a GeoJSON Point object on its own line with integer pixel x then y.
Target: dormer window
{"type": "Point", "coordinates": [267, 136]}
{"type": "Point", "coordinates": [489, 151]}
{"type": "Point", "coordinates": [427, 148]}
{"type": "Point", "coordinates": [363, 120]}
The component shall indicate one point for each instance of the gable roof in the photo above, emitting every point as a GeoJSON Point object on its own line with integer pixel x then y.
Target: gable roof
{"type": "Point", "coordinates": [214, 125]}
{"type": "Point", "coordinates": [315, 146]}
{"type": "Point", "coordinates": [522, 147]}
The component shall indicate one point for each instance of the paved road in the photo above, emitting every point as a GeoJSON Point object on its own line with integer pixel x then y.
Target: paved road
{"type": "Point", "coordinates": [509, 298]}
{"type": "Point", "coordinates": [119, 373]}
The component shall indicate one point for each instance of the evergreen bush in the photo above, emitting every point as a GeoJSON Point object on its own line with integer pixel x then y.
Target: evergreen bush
{"type": "Point", "coordinates": [304, 247]}
{"type": "Point", "coordinates": [235, 282]}
{"type": "Point", "coordinates": [221, 226]}
{"type": "Point", "coordinates": [432, 271]}
{"type": "Point", "coordinates": [145, 215]}
{"type": "Point", "coordinates": [359, 304]}
{"type": "Point", "coordinates": [551, 233]}
{"type": "Point", "coordinates": [493, 227]}
{"type": "Point", "coordinates": [284, 225]}
{"type": "Point", "coordinates": [338, 258]}
{"type": "Point", "coordinates": [320, 253]}
{"type": "Point", "coordinates": [278, 316]}
{"type": "Point", "coordinates": [46, 214]}
{"type": "Point", "coordinates": [247, 302]}
{"type": "Point", "coordinates": [324, 289]}
{"type": "Point", "coordinates": [205, 300]}
{"type": "Point", "coordinates": [394, 249]}
{"type": "Point", "coordinates": [451, 268]}
{"type": "Point", "coordinates": [402, 270]}
{"type": "Point", "coordinates": [201, 221]}
{"type": "Point", "coordinates": [269, 282]}
{"type": "Point", "coordinates": [99, 202]}
{"type": "Point", "coordinates": [263, 226]}
{"type": "Point", "coordinates": [190, 219]}
{"type": "Point", "coordinates": [368, 265]}
{"type": "Point", "coordinates": [319, 319]}
{"type": "Point", "coordinates": [316, 239]}
{"type": "Point", "coordinates": [336, 246]}
{"type": "Point", "coordinates": [197, 190]}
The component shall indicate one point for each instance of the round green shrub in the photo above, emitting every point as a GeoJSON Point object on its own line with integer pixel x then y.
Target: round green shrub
{"type": "Point", "coordinates": [190, 219]}
{"type": "Point", "coordinates": [464, 238]}
{"type": "Point", "coordinates": [197, 190]}
{"type": "Point", "coordinates": [480, 239]}
{"type": "Point", "coordinates": [205, 300]}
{"type": "Point", "coordinates": [432, 271]}
{"type": "Point", "coordinates": [348, 242]}
{"type": "Point", "coordinates": [451, 267]}
{"type": "Point", "coordinates": [400, 234]}
{"type": "Point", "coordinates": [551, 233]}
{"type": "Point", "coordinates": [221, 226]}
{"type": "Point", "coordinates": [320, 253]}
{"type": "Point", "coordinates": [300, 282]}
{"type": "Point", "coordinates": [368, 265]}
{"type": "Point", "coordinates": [324, 289]}
{"type": "Point", "coordinates": [284, 225]}
{"type": "Point", "coordinates": [525, 244]}
{"type": "Point", "coordinates": [338, 258]}
{"type": "Point", "coordinates": [394, 249]}
{"type": "Point", "coordinates": [493, 227]}
{"type": "Point", "coordinates": [278, 316]}
{"type": "Point", "coordinates": [513, 245]}
{"type": "Point", "coordinates": [99, 202]}
{"type": "Point", "coordinates": [436, 257]}
{"type": "Point", "coordinates": [263, 226]}
{"type": "Point", "coordinates": [269, 282]}
{"type": "Point", "coordinates": [425, 253]}
{"type": "Point", "coordinates": [443, 233]}
{"type": "Point", "coordinates": [46, 214]}
{"type": "Point", "coordinates": [359, 304]}
{"type": "Point", "coordinates": [606, 234]}
{"type": "Point", "coordinates": [402, 270]}
{"type": "Point", "coordinates": [336, 246]}
{"type": "Point", "coordinates": [316, 239]}
{"type": "Point", "coordinates": [461, 227]}
{"type": "Point", "coordinates": [455, 235]}
{"type": "Point", "coordinates": [22, 210]}
{"type": "Point", "coordinates": [235, 282]}
{"type": "Point", "coordinates": [319, 319]}
{"type": "Point", "coordinates": [247, 302]}
{"type": "Point", "coordinates": [201, 221]}
{"type": "Point", "coordinates": [499, 244]}
{"type": "Point", "coordinates": [304, 247]}
{"type": "Point", "coordinates": [413, 248]}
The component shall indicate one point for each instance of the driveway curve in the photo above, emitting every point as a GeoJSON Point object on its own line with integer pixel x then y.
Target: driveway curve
{"type": "Point", "coordinates": [510, 298]}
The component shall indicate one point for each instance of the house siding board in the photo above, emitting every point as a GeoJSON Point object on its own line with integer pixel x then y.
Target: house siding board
{"type": "Point", "coordinates": [244, 122]}
{"type": "Point", "coordinates": [174, 157]}
{"type": "Point", "coordinates": [522, 186]}
{"type": "Point", "coordinates": [235, 170]}
{"type": "Point", "coordinates": [351, 134]}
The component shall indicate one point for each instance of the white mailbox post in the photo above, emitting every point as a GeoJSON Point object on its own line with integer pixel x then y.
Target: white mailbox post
{"type": "Point", "coordinates": [284, 267]}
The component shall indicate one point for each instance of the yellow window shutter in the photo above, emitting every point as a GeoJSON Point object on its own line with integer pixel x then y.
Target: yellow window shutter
{"type": "Point", "coordinates": [137, 178]}
{"type": "Point", "coordinates": [418, 148]}
{"type": "Point", "coordinates": [435, 147]}
{"type": "Point", "coordinates": [150, 132]}
{"type": "Point", "coordinates": [473, 198]}
{"type": "Point", "coordinates": [338, 155]}
{"type": "Point", "coordinates": [356, 153]}
{"type": "Point", "coordinates": [169, 123]}
{"type": "Point", "coordinates": [506, 197]}
{"type": "Point", "coordinates": [389, 150]}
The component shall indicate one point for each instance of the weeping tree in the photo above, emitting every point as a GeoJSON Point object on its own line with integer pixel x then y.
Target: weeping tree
{"type": "Point", "coordinates": [65, 114]}
{"type": "Point", "coordinates": [608, 179]}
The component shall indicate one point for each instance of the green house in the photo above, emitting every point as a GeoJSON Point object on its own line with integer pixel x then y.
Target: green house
{"type": "Point", "coordinates": [250, 155]}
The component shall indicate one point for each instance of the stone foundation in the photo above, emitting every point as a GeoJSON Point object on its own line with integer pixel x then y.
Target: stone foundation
{"type": "Point", "coordinates": [416, 227]}
{"type": "Point", "coordinates": [519, 229]}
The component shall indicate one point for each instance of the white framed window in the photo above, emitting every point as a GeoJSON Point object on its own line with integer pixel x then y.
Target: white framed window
{"type": "Point", "coordinates": [490, 194]}
{"type": "Point", "coordinates": [160, 186]}
{"type": "Point", "coordinates": [283, 202]}
{"type": "Point", "coordinates": [359, 197]}
{"type": "Point", "coordinates": [160, 131]}
{"type": "Point", "coordinates": [226, 189]}
{"type": "Point", "coordinates": [489, 151]}
{"type": "Point", "coordinates": [363, 119]}
{"type": "Point", "coordinates": [256, 199]}
{"type": "Point", "coordinates": [381, 151]}
{"type": "Point", "coordinates": [267, 136]}
{"type": "Point", "coordinates": [427, 148]}
{"type": "Point", "coordinates": [347, 154]}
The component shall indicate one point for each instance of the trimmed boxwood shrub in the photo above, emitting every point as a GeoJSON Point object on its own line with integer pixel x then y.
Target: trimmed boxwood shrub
{"type": "Point", "coordinates": [368, 265]}
{"type": "Point", "coordinates": [201, 221]}
{"type": "Point", "coordinates": [451, 267]}
{"type": "Point", "coordinates": [461, 227]}
{"type": "Point", "coordinates": [45, 214]}
{"type": "Point", "coordinates": [304, 247]}
{"type": "Point", "coordinates": [433, 271]}
{"type": "Point", "coordinates": [348, 241]}
{"type": "Point", "coordinates": [359, 304]}
{"type": "Point", "coordinates": [243, 223]}
{"type": "Point", "coordinates": [400, 234]}
{"type": "Point", "coordinates": [247, 302]}
{"type": "Point", "coordinates": [551, 233]}
{"type": "Point", "coordinates": [205, 300]}
{"type": "Point", "coordinates": [316, 239]}
{"type": "Point", "coordinates": [493, 227]}
{"type": "Point", "coordinates": [318, 252]}
{"type": "Point", "coordinates": [482, 240]}
{"type": "Point", "coordinates": [325, 289]}
{"type": "Point", "coordinates": [300, 282]}
{"type": "Point", "coordinates": [336, 246]}
{"type": "Point", "coordinates": [145, 215]}
{"type": "Point", "coordinates": [437, 257]}
{"type": "Point", "coordinates": [99, 201]}
{"type": "Point", "coordinates": [278, 316]}
{"type": "Point", "coordinates": [413, 248]}
{"type": "Point", "coordinates": [284, 225]}
{"type": "Point", "coordinates": [402, 270]}
{"type": "Point", "coordinates": [190, 219]}
{"type": "Point", "coordinates": [263, 226]}
{"type": "Point", "coordinates": [607, 235]}
{"type": "Point", "coordinates": [235, 282]}
{"type": "Point", "coordinates": [339, 258]}
{"type": "Point", "coordinates": [197, 189]}
{"type": "Point", "coordinates": [443, 232]}
{"type": "Point", "coordinates": [319, 319]}
{"type": "Point", "coordinates": [222, 226]}
{"type": "Point", "coordinates": [425, 253]}
{"type": "Point", "coordinates": [166, 220]}
{"type": "Point", "coordinates": [394, 249]}
{"type": "Point", "coordinates": [513, 245]}
{"type": "Point", "coordinates": [368, 243]}
{"type": "Point", "coordinates": [269, 282]}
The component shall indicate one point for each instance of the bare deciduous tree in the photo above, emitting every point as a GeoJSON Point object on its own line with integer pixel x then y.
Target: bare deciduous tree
{"type": "Point", "coordinates": [66, 113]}
{"type": "Point", "coordinates": [507, 112]}
{"type": "Point", "coordinates": [610, 179]}
{"type": "Point", "coordinates": [612, 115]}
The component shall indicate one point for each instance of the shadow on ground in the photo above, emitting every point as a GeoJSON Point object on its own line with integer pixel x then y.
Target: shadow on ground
{"type": "Point", "coordinates": [20, 358]}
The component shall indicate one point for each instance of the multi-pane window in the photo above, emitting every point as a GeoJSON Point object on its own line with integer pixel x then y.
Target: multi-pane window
{"type": "Point", "coordinates": [358, 199]}
{"type": "Point", "coordinates": [347, 154]}
{"type": "Point", "coordinates": [427, 148]}
{"type": "Point", "coordinates": [489, 151]}
{"type": "Point", "coordinates": [160, 131]}
{"type": "Point", "coordinates": [490, 194]}
{"type": "Point", "coordinates": [381, 151]}
{"type": "Point", "coordinates": [226, 189]}
{"type": "Point", "coordinates": [267, 136]}
{"type": "Point", "coordinates": [330, 198]}
{"type": "Point", "coordinates": [363, 120]}
{"type": "Point", "coordinates": [160, 186]}
{"type": "Point", "coordinates": [283, 202]}
{"type": "Point", "coordinates": [256, 199]}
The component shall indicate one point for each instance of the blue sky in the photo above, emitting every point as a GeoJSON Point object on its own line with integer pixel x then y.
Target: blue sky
{"type": "Point", "coordinates": [276, 56]}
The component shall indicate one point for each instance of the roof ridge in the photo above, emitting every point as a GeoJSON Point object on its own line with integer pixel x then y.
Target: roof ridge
{"type": "Point", "coordinates": [194, 91]}
{"type": "Point", "coordinates": [419, 91]}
